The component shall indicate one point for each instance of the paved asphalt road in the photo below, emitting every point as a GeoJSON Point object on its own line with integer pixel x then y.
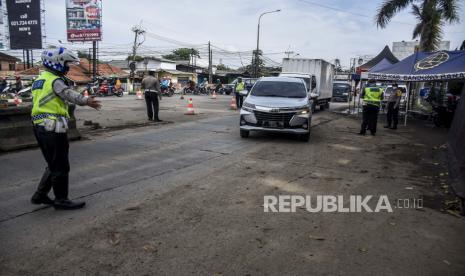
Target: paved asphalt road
{"type": "Point", "coordinates": [186, 198]}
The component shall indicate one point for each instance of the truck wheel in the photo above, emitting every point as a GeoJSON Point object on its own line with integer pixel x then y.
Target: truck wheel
{"type": "Point", "coordinates": [244, 133]}
{"type": "Point", "coordinates": [305, 137]}
{"type": "Point", "coordinates": [322, 107]}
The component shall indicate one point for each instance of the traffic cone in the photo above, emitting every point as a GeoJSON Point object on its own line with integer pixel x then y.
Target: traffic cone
{"type": "Point", "coordinates": [214, 95]}
{"type": "Point", "coordinates": [190, 108]}
{"type": "Point", "coordinates": [139, 95]}
{"type": "Point", "coordinates": [86, 94]}
{"type": "Point", "coordinates": [233, 103]}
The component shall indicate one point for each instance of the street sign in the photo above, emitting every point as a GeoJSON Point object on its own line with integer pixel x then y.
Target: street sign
{"type": "Point", "coordinates": [24, 24]}
{"type": "Point", "coordinates": [132, 66]}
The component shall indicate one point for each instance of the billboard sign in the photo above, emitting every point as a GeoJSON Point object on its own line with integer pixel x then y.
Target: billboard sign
{"type": "Point", "coordinates": [84, 20]}
{"type": "Point", "coordinates": [2, 28]}
{"type": "Point", "coordinates": [24, 24]}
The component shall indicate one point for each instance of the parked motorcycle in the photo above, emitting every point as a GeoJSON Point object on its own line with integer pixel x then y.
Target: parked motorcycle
{"type": "Point", "coordinates": [191, 88]}
{"type": "Point", "coordinates": [167, 91]}
{"type": "Point", "coordinates": [92, 88]}
{"type": "Point", "coordinates": [109, 90]}
{"type": "Point", "coordinates": [443, 114]}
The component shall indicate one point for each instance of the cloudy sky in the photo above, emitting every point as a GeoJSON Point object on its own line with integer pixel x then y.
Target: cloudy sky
{"type": "Point", "coordinates": [315, 29]}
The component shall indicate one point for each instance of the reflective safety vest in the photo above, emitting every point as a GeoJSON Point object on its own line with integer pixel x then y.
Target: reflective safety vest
{"type": "Point", "coordinates": [45, 103]}
{"type": "Point", "coordinates": [240, 86]}
{"type": "Point", "coordinates": [372, 95]}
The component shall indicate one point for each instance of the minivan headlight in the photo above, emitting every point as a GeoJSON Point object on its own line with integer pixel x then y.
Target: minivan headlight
{"type": "Point", "coordinates": [303, 112]}
{"type": "Point", "coordinates": [248, 106]}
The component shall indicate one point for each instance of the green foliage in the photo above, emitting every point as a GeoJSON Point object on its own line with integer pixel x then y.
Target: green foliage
{"type": "Point", "coordinates": [431, 16]}
{"type": "Point", "coordinates": [222, 67]}
{"type": "Point", "coordinates": [84, 55]}
{"type": "Point", "coordinates": [182, 54]}
{"type": "Point", "coordinates": [137, 58]}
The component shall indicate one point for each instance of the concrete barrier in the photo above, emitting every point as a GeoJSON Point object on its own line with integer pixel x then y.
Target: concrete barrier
{"type": "Point", "coordinates": [16, 128]}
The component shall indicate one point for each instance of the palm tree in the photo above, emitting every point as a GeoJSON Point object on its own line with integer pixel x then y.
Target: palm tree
{"type": "Point", "coordinates": [431, 16]}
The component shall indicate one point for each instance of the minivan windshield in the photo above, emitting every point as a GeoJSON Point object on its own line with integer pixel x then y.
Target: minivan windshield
{"type": "Point", "coordinates": [279, 89]}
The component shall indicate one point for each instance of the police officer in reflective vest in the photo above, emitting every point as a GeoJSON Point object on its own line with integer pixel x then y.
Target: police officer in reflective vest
{"type": "Point", "coordinates": [239, 87]}
{"type": "Point", "coordinates": [51, 93]}
{"type": "Point", "coordinates": [371, 96]}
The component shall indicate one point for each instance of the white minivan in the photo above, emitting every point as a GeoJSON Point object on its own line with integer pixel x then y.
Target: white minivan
{"type": "Point", "coordinates": [277, 104]}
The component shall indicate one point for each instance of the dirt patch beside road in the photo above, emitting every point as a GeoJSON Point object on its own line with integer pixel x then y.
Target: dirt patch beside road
{"type": "Point", "coordinates": [128, 112]}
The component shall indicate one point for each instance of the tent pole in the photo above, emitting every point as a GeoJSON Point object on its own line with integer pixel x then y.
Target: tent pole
{"type": "Point", "coordinates": [409, 87]}
{"type": "Point", "coordinates": [359, 95]}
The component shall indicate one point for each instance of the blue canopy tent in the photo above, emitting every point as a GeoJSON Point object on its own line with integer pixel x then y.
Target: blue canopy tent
{"type": "Point", "coordinates": [384, 63]}
{"type": "Point", "coordinates": [424, 66]}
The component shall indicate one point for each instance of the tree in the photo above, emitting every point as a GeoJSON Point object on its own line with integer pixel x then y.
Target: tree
{"type": "Point", "coordinates": [431, 16]}
{"type": "Point", "coordinates": [136, 58]}
{"type": "Point", "coordinates": [182, 54]}
{"type": "Point", "coordinates": [84, 55]}
{"type": "Point", "coordinates": [222, 67]}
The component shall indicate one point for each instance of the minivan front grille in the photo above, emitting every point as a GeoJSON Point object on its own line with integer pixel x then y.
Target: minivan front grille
{"type": "Point", "coordinates": [264, 119]}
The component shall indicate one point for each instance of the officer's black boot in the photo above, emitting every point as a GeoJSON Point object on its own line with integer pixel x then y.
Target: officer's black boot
{"type": "Point", "coordinates": [39, 198]}
{"type": "Point", "coordinates": [66, 204]}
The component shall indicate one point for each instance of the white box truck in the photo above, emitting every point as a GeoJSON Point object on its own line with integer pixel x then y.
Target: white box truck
{"type": "Point", "coordinates": [317, 75]}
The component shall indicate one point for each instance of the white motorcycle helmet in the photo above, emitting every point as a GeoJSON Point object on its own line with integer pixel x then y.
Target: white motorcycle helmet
{"type": "Point", "coordinates": [58, 59]}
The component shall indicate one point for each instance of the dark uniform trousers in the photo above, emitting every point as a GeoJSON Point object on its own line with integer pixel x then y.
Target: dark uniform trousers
{"type": "Point", "coordinates": [55, 149]}
{"type": "Point", "coordinates": [392, 115]}
{"type": "Point", "coordinates": [370, 118]}
{"type": "Point", "coordinates": [151, 99]}
{"type": "Point", "coordinates": [239, 100]}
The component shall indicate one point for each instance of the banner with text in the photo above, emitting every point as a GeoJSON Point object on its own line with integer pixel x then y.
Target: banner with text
{"type": "Point", "coordinates": [84, 20]}
{"type": "Point", "coordinates": [24, 24]}
{"type": "Point", "coordinates": [2, 29]}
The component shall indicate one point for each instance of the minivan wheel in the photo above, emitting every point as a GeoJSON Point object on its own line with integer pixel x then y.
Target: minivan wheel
{"type": "Point", "coordinates": [244, 133]}
{"type": "Point", "coordinates": [305, 137]}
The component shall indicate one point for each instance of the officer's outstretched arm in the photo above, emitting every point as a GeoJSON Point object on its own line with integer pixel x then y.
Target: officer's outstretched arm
{"type": "Point", "coordinates": [67, 94]}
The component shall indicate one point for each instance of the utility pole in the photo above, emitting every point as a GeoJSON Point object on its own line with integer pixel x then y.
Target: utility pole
{"type": "Point", "coordinates": [94, 60]}
{"type": "Point", "coordinates": [209, 63]}
{"type": "Point", "coordinates": [288, 53]}
{"type": "Point", "coordinates": [137, 31]}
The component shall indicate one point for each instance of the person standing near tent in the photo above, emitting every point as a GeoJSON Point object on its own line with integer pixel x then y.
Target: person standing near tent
{"type": "Point", "coordinates": [371, 96]}
{"type": "Point", "coordinates": [393, 107]}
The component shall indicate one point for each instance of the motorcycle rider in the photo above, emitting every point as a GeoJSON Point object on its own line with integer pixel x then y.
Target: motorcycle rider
{"type": "Point", "coordinates": [204, 84]}
{"type": "Point", "coordinates": [165, 84]}
{"type": "Point", "coordinates": [50, 121]}
{"type": "Point", "coordinates": [218, 86]}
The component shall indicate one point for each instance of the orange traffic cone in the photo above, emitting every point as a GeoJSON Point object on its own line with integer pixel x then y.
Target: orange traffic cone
{"type": "Point", "coordinates": [214, 95]}
{"type": "Point", "coordinates": [233, 103]}
{"type": "Point", "coordinates": [190, 108]}
{"type": "Point", "coordinates": [139, 95]}
{"type": "Point", "coordinates": [86, 94]}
